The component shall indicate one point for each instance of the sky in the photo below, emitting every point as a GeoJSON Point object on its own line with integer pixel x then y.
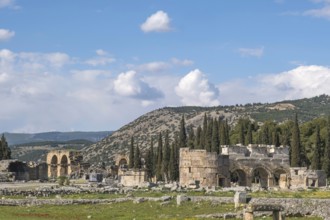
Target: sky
{"type": "Point", "coordinates": [84, 65]}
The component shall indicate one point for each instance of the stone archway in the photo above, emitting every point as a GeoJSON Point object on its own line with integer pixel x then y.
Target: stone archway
{"type": "Point", "coordinates": [260, 176]}
{"type": "Point", "coordinates": [54, 167]}
{"type": "Point", "coordinates": [64, 166]}
{"type": "Point", "coordinates": [238, 177]}
{"type": "Point", "coordinates": [122, 163]}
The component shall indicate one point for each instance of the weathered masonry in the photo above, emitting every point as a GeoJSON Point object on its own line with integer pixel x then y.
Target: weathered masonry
{"type": "Point", "coordinates": [63, 163]}
{"type": "Point", "coordinates": [259, 165]}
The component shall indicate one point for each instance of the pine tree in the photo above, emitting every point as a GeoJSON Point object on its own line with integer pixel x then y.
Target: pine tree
{"type": "Point", "coordinates": [295, 145]}
{"type": "Point", "coordinates": [131, 154]}
{"type": "Point", "coordinates": [326, 157]}
{"type": "Point", "coordinates": [137, 158]}
{"type": "Point", "coordinates": [316, 159]}
{"type": "Point", "coordinates": [215, 137]}
{"type": "Point", "coordinates": [159, 158]}
{"type": "Point", "coordinates": [183, 135]}
{"type": "Point", "coordinates": [166, 156]}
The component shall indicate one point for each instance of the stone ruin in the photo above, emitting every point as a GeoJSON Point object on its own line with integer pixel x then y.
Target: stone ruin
{"type": "Point", "coordinates": [254, 165]}
{"type": "Point", "coordinates": [15, 170]}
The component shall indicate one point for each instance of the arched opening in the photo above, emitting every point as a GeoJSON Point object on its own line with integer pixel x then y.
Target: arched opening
{"type": "Point", "coordinates": [238, 177]}
{"type": "Point", "coordinates": [260, 177]}
{"type": "Point", "coordinates": [277, 176]}
{"type": "Point", "coordinates": [53, 167]}
{"type": "Point", "coordinates": [64, 166]}
{"type": "Point", "coordinates": [122, 163]}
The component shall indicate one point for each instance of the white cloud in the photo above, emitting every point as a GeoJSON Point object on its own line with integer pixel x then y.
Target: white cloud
{"type": "Point", "coordinates": [6, 3]}
{"type": "Point", "coordinates": [102, 59]}
{"type": "Point", "coordinates": [6, 34]}
{"type": "Point", "coordinates": [254, 52]}
{"type": "Point", "coordinates": [195, 89]}
{"type": "Point", "coordinates": [184, 62]}
{"type": "Point", "coordinates": [157, 66]}
{"type": "Point", "coordinates": [158, 22]}
{"type": "Point", "coordinates": [323, 12]}
{"type": "Point", "coordinates": [128, 84]}
{"type": "Point", "coordinates": [89, 75]}
{"type": "Point", "coordinates": [300, 82]}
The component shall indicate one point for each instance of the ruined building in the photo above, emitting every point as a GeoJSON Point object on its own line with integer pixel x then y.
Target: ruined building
{"type": "Point", "coordinates": [265, 166]}
{"type": "Point", "coordinates": [65, 163]}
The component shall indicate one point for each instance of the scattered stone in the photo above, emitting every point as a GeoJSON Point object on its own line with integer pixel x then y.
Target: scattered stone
{"type": "Point", "coordinates": [181, 198]}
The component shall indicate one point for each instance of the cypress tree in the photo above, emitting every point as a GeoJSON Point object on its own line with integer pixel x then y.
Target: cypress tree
{"type": "Point", "coordinates": [241, 133]}
{"type": "Point", "coordinates": [295, 145]}
{"type": "Point", "coordinates": [131, 154]}
{"type": "Point", "coordinates": [171, 168]}
{"type": "Point", "coordinates": [198, 138]}
{"type": "Point", "coordinates": [191, 138]}
{"type": "Point", "coordinates": [176, 159]}
{"type": "Point", "coordinates": [150, 161]}
{"type": "Point", "coordinates": [159, 158]}
{"type": "Point", "coordinates": [215, 137]}
{"type": "Point", "coordinates": [204, 133]}
{"type": "Point", "coordinates": [249, 134]}
{"type": "Point", "coordinates": [137, 158]}
{"type": "Point", "coordinates": [222, 134]}
{"type": "Point", "coordinates": [316, 160]}
{"type": "Point", "coordinates": [326, 157]}
{"type": "Point", "coordinates": [166, 156]}
{"type": "Point", "coordinates": [6, 152]}
{"type": "Point", "coordinates": [183, 135]}
{"type": "Point", "coordinates": [276, 139]}
{"type": "Point", "coordinates": [208, 138]}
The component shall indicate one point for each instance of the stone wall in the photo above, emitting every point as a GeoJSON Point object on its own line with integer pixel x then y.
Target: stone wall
{"type": "Point", "coordinates": [201, 168]}
{"type": "Point", "coordinates": [132, 177]}
{"type": "Point", "coordinates": [301, 177]}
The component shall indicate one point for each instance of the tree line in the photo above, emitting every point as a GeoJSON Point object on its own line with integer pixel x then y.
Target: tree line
{"type": "Point", "coordinates": [309, 143]}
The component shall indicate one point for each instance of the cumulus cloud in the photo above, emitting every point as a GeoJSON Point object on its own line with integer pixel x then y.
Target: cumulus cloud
{"type": "Point", "coordinates": [300, 82]}
{"type": "Point", "coordinates": [195, 89]}
{"type": "Point", "coordinates": [129, 84]}
{"type": "Point", "coordinates": [157, 22]}
{"type": "Point", "coordinates": [6, 34]}
{"type": "Point", "coordinates": [323, 12]}
{"type": "Point", "coordinates": [251, 52]}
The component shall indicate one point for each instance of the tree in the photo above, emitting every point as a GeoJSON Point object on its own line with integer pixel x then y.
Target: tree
{"type": "Point", "coordinates": [166, 156]}
{"type": "Point", "coordinates": [159, 158]}
{"type": "Point", "coordinates": [208, 137]}
{"type": "Point", "coordinates": [171, 168]}
{"type": "Point", "coordinates": [215, 137]}
{"type": "Point", "coordinates": [241, 133]}
{"type": "Point", "coordinates": [183, 135]}
{"type": "Point", "coordinates": [326, 157]}
{"type": "Point", "coordinates": [5, 151]}
{"type": "Point", "coordinates": [249, 134]}
{"type": "Point", "coordinates": [198, 138]}
{"type": "Point", "coordinates": [191, 138]}
{"type": "Point", "coordinates": [150, 161]}
{"type": "Point", "coordinates": [295, 160]}
{"type": "Point", "coordinates": [131, 154]}
{"type": "Point", "coordinates": [204, 133]}
{"type": "Point", "coordinates": [316, 160]}
{"type": "Point", "coordinates": [137, 158]}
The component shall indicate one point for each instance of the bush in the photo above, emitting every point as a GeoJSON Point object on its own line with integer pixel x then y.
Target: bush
{"type": "Point", "coordinates": [63, 180]}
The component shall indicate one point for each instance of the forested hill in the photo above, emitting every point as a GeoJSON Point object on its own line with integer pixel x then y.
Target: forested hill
{"type": "Point", "coordinates": [167, 119]}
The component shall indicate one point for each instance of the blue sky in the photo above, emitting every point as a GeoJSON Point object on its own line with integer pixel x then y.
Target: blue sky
{"type": "Point", "coordinates": [97, 65]}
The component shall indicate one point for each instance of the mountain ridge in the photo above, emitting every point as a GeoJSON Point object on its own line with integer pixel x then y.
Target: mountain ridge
{"type": "Point", "coordinates": [149, 125]}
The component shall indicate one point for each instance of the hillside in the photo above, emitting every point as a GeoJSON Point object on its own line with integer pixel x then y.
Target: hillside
{"type": "Point", "coordinates": [21, 138]}
{"type": "Point", "coordinates": [168, 118]}
{"type": "Point", "coordinates": [33, 147]}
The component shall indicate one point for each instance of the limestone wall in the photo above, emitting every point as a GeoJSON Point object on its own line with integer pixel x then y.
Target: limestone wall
{"type": "Point", "coordinates": [132, 178]}
{"type": "Point", "coordinates": [202, 168]}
